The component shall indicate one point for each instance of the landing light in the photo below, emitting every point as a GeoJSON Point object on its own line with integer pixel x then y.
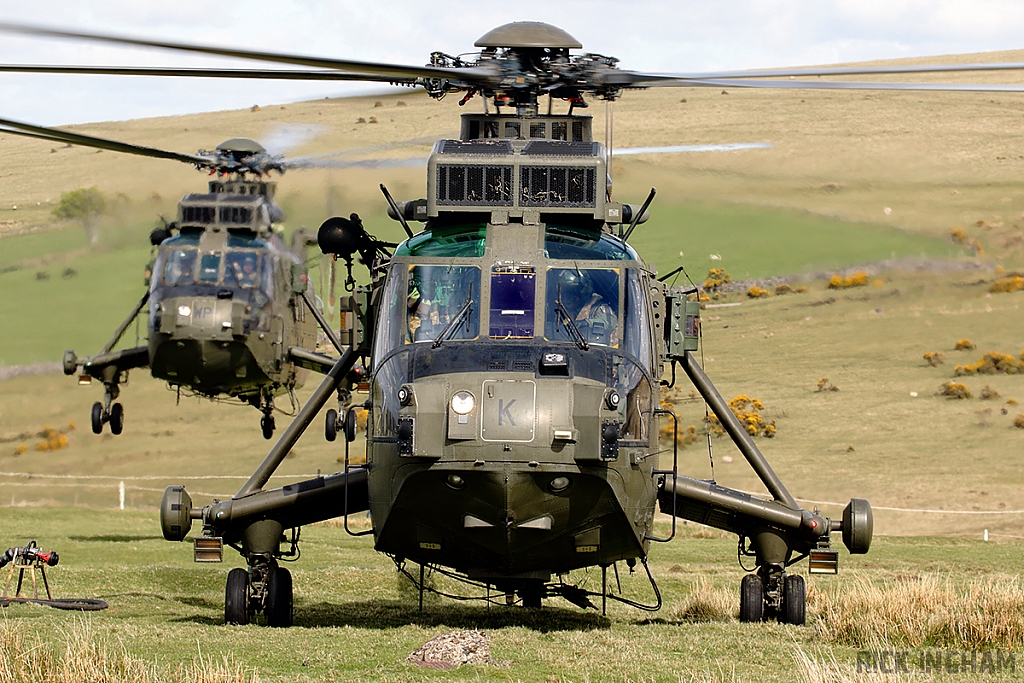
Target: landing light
{"type": "Point", "coordinates": [559, 484]}
{"type": "Point", "coordinates": [184, 310]}
{"type": "Point", "coordinates": [462, 403]}
{"type": "Point", "coordinates": [455, 481]}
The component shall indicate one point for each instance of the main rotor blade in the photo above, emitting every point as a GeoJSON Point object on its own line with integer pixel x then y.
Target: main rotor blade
{"type": "Point", "coordinates": [837, 71]}
{"type": "Point", "coordinates": [383, 72]}
{"type": "Point", "coordinates": [269, 74]}
{"type": "Point", "coordinates": [841, 85]}
{"type": "Point", "coordinates": [56, 135]}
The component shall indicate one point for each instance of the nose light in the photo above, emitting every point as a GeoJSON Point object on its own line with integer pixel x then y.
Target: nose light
{"type": "Point", "coordinates": [463, 402]}
{"type": "Point", "coordinates": [455, 481]}
{"type": "Point", "coordinates": [184, 310]}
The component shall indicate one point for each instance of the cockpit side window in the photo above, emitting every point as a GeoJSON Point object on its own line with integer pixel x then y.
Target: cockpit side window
{"type": "Point", "coordinates": [241, 269]}
{"type": "Point", "coordinates": [636, 326]}
{"type": "Point", "coordinates": [590, 298]}
{"type": "Point", "coordinates": [179, 266]}
{"type": "Point", "coordinates": [436, 296]}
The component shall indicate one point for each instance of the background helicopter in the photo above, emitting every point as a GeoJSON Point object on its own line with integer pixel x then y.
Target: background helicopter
{"type": "Point", "coordinates": [230, 309]}
{"type": "Point", "coordinates": [418, 431]}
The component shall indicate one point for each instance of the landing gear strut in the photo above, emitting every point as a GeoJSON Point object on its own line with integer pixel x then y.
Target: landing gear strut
{"type": "Point", "coordinates": [267, 424]}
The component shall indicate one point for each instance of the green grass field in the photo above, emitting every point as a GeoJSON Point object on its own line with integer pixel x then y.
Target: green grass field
{"type": "Point", "coordinates": [357, 619]}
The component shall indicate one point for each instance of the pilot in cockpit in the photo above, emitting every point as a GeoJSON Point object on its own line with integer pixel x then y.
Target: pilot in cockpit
{"type": "Point", "coordinates": [593, 315]}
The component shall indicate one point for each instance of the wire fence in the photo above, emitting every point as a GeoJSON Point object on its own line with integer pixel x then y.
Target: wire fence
{"type": "Point", "coordinates": [123, 486]}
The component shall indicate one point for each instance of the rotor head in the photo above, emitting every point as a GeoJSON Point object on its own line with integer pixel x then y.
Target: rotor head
{"type": "Point", "coordinates": [528, 34]}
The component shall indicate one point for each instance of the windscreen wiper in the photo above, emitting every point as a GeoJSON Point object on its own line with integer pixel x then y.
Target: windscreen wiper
{"type": "Point", "coordinates": [570, 324]}
{"type": "Point", "coordinates": [454, 323]}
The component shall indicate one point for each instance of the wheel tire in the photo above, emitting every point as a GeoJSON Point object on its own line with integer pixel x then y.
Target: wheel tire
{"type": "Point", "coordinates": [70, 362]}
{"type": "Point", "coordinates": [97, 418]}
{"type": "Point", "coordinates": [350, 425]}
{"type": "Point", "coordinates": [331, 425]}
{"type": "Point", "coordinates": [267, 425]}
{"type": "Point", "coordinates": [532, 593]}
{"type": "Point", "coordinates": [279, 598]}
{"type": "Point", "coordinates": [236, 597]}
{"type": "Point", "coordinates": [751, 599]}
{"type": "Point", "coordinates": [794, 601]}
{"type": "Point", "coordinates": [116, 418]}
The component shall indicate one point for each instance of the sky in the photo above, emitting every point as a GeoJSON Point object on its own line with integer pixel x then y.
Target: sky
{"type": "Point", "coordinates": [646, 35]}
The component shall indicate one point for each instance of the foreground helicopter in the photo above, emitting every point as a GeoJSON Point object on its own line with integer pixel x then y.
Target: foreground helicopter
{"type": "Point", "coordinates": [230, 310]}
{"type": "Point", "coordinates": [514, 348]}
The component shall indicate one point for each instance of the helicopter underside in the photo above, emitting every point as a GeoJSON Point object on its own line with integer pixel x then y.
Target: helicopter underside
{"type": "Point", "coordinates": [207, 366]}
{"type": "Point", "coordinates": [508, 522]}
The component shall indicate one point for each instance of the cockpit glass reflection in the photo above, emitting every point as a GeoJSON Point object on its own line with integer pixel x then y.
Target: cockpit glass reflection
{"type": "Point", "coordinates": [583, 300]}
{"type": "Point", "coordinates": [442, 299]}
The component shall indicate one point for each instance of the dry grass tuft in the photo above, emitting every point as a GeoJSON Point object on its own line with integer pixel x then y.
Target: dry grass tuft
{"type": "Point", "coordinates": [954, 389]}
{"type": "Point", "coordinates": [825, 668]}
{"type": "Point", "coordinates": [825, 385]}
{"type": "Point", "coordinates": [925, 611]}
{"type": "Point", "coordinates": [933, 358]}
{"type": "Point", "coordinates": [987, 393]}
{"type": "Point", "coordinates": [87, 658]}
{"type": "Point", "coordinates": [705, 603]}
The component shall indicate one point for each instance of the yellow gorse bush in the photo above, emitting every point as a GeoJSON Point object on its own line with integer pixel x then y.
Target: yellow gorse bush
{"type": "Point", "coordinates": [685, 436]}
{"type": "Point", "coordinates": [748, 411]}
{"type": "Point", "coordinates": [954, 389]}
{"type": "Point", "coordinates": [52, 440]}
{"type": "Point", "coordinates": [715, 279]}
{"type": "Point", "coordinates": [964, 345]}
{"type": "Point", "coordinates": [856, 280]}
{"type": "Point", "coordinates": [992, 363]}
{"type": "Point", "coordinates": [1013, 283]}
{"type": "Point", "coordinates": [933, 358]}
{"type": "Point", "coordinates": [756, 292]}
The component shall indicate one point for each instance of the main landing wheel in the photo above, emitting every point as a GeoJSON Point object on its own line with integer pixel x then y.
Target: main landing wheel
{"type": "Point", "coordinates": [794, 601]}
{"type": "Point", "coordinates": [331, 425]}
{"type": "Point", "coordinates": [97, 418]}
{"type": "Point", "coordinates": [751, 599]}
{"type": "Point", "coordinates": [279, 598]}
{"type": "Point", "coordinates": [236, 597]}
{"type": "Point", "coordinates": [532, 592]}
{"type": "Point", "coordinates": [116, 418]}
{"type": "Point", "coordinates": [267, 425]}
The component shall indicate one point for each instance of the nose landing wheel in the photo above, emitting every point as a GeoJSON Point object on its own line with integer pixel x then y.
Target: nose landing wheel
{"type": "Point", "coordinates": [114, 416]}
{"type": "Point", "coordinates": [785, 598]}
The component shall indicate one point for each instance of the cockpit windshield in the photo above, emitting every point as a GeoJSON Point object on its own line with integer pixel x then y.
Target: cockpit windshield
{"type": "Point", "coordinates": [179, 266]}
{"type": "Point", "coordinates": [590, 299]}
{"type": "Point", "coordinates": [241, 269]}
{"type": "Point", "coordinates": [236, 268]}
{"type": "Point", "coordinates": [436, 296]}
{"type": "Point", "coordinates": [512, 301]}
